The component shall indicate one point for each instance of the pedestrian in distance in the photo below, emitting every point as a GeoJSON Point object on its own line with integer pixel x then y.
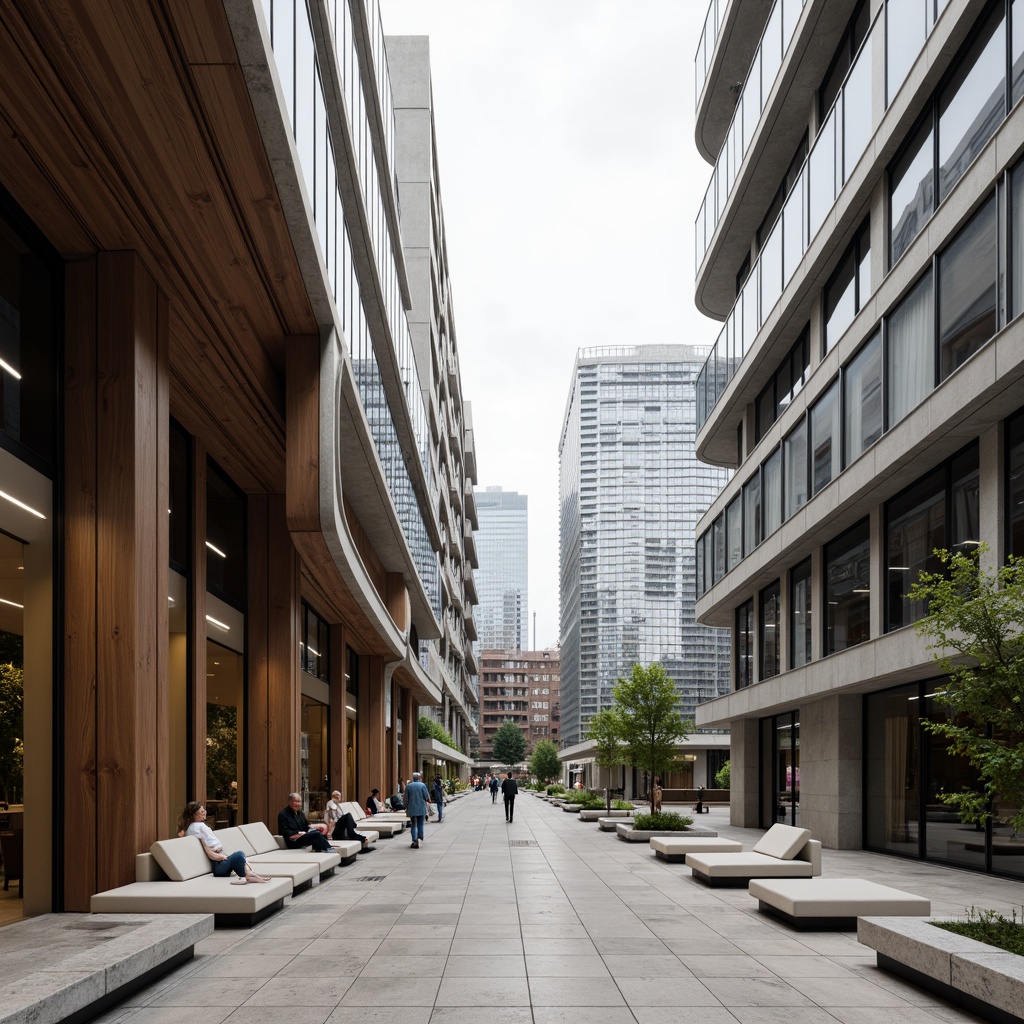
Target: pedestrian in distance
{"type": "Point", "coordinates": [437, 794]}
{"type": "Point", "coordinates": [509, 789]}
{"type": "Point", "coordinates": [493, 785]}
{"type": "Point", "coordinates": [417, 799]}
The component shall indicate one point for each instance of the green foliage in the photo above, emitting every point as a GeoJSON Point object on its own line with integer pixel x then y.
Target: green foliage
{"type": "Point", "coordinates": [605, 731]}
{"type": "Point", "coordinates": [544, 763]}
{"type": "Point", "coordinates": [580, 796]}
{"type": "Point", "coordinates": [722, 775]}
{"type": "Point", "coordinates": [990, 927]}
{"type": "Point", "coordinates": [663, 821]}
{"type": "Point", "coordinates": [427, 728]}
{"type": "Point", "coordinates": [974, 630]}
{"type": "Point", "coordinates": [509, 744]}
{"type": "Point", "coordinates": [221, 750]}
{"type": "Point", "coordinates": [12, 649]}
{"type": "Point", "coordinates": [556, 788]}
{"type": "Point", "coordinates": [622, 805]}
{"type": "Point", "coordinates": [12, 732]}
{"type": "Point", "coordinates": [649, 725]}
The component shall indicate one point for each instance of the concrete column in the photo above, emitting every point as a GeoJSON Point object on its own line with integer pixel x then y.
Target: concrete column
{"type": "Point", "coordinates": [831, 771]}
{"type": "Point", "coordinates": [744, 773]}
{"type": "Point", "coordinates": [992, 496]}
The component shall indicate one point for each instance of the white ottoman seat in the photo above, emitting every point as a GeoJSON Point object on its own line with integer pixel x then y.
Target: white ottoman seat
{"type": "Point", "coordinates": [817, 904]}
{"type": "Point", "coordinates": [676, 848]}
{"type": "Point", "coordinates": [784, 851]}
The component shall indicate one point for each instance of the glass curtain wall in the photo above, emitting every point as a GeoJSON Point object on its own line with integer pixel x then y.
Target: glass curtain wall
{"type": "Point", "coordinates": [769, 626]}
{"type": "Point", "coordinates": [847, 593]}
{"type": "Point", "coordinates": [800, 632]}
{"type": "Point", "coordinates": [744, 645]}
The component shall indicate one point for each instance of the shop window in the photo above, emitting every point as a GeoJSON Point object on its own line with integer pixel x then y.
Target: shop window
{"type": "Point", "coordinates": [847, 590]}
{"type": "Point", "coordinates": [800, 615]}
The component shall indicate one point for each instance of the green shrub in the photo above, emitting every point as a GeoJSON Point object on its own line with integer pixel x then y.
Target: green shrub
{"type": "Point", "coordinates": [552, 790]}
{"type": "Point", "coordinates": [663, 821]}
{"type": "Point", "coordinates": [577, 796]}
{"type": "Point", "coordinates": [989, 927]}
{"type": "Point", "coordinates": [427, 728]}
{"type": "Point", "coordinates": [621, 805]}
{"type": "Point", "coordinates": [723, 775]}
{"type": "Point", "coordinates": [593, 803]}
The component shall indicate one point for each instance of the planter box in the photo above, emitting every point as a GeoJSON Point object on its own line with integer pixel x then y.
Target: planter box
{"type": "Point", "coordinates": [628, 834]}
{"type": "Point", "coordinates": [983, 979]}
{"type": "Point", "coordinates": [594, 815]}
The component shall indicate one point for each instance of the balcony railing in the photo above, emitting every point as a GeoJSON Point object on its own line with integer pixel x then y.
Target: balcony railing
{"type": "Point", "coordinates": [706, 47]}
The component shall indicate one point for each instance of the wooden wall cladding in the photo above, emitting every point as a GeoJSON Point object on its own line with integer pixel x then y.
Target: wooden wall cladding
{"type": "Point", "coordinates": [116, 593]}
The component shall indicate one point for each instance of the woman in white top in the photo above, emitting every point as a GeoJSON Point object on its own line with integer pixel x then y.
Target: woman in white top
{"type": "Point", "coordinates": [193, 823]}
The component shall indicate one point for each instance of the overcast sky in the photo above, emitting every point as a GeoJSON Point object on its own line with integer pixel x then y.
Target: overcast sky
{"type": "Point", "coordinates": [570, 183]}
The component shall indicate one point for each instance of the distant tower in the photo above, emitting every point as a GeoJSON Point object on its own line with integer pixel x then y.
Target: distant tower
{"type": "Point", "coordinates": [501, 541]}
{"type": "Point", "coordinates": [631, 490]}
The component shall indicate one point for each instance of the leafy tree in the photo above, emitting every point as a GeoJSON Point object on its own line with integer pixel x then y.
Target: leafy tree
{"type": "Point", "coordinates": [221, 750]}
{"type": "Point", "coordinates": [544, 764]}
{"type": "Point", "coordinates": [427, 728]}
{"type": "Point", "coordinates": [974, 629]}
{"type": "Point", "coordinates": [12, 732]}
{"type": "Point", "coordinates": [12, 649]}
{"type": "Point", "coordinates": [605, 730]}
{"type": "Point", "coordinates": [509, 744]}
{"type": "Point", "coordinates": [722, 776]}
{"type": "Point", "coordinates": [651, 728]}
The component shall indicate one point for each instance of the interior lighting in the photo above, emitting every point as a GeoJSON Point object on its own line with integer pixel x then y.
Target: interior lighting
{"type": "Point", "coordinates": [218, 623]}
{"type": "Point", "coordinates": [21, 504]}
{"type": "Point", "coordinates": [10, 369]}
{"type": "Point", "coordinates": [899, 568]}
{"type": "Point", "coordinates": [216, 550]}
{"type": "Point", "coordinates": [13, 604]}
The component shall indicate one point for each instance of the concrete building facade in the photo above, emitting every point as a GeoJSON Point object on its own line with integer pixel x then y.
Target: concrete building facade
{"type": "Point", "coordinates": [631, 491]}
{"type": "Point", "coordinates": [503, 543]}
{"type": "Point", "coordinates": [860, 242]}
{"type": "Point", "coordinates": [522, 687]}
{"type": "Point", "coordinates": [221, 543]}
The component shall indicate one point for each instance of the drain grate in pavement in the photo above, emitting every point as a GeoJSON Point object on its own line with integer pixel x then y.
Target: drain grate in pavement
{"type": "Point", "coordinates": [523, 842]}
{"type": "Point", "coordinates": [372, 878]}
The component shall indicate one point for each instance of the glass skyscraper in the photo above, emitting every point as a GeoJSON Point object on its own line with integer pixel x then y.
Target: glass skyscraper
{"type": "Point", "coordinates": [631, 490]}
{"type": "Point", "coordinates": [501, 541]}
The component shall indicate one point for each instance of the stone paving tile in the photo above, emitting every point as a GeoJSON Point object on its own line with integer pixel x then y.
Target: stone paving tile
{"type": "Point", "coordinates": [575, 992]}
{"type": "Point", "coordinates": [507, 965]}
{"type": "Point", "coordinates": [381, 965]}
{"type": "Point", "coordinates": [370, 992]}
{"type": "Point", "coordinates": [580, 1015]}
{"type": "Point", "coordinates": [539, 946]}
{"type": "Point", "coordinates": [209, 992]}
{"type": "Point", "coordinates": [472, 1015]}
{"type": "Point", "coordinates": [272, 1015]}
{"type": "Point", "coordinates": [557, 966]}
{"type": "Point", "coordinates": [755, 992]}
{"type": "Point", "coordinates": [296, 994]}
{"type": "Point", "coordinates": [659, 991]}
{"type": "Point", "coordinates": [664, 965]}
{"type": "Point", "coordinates": [379, 1015]}
{"type": "Point", "coordinates": [726, 966]}
{"type": "Point", "coordinates": [683, 1015]}
{"type": "Point", "coordinates": [483, 992]}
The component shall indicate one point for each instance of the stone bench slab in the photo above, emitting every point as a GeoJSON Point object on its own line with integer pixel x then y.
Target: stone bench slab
{"type": "Point", "coordinates": [835, 903]}
{"type": "Point", "coordinates": [597, 815]}
{"type": "Point", "coordinates": [674, 848]}
{"type": "Point", "coordinates": [628, 834]}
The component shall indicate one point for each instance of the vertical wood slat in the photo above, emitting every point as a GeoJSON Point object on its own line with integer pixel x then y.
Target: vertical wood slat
{"type": "Point", "coordinates": [80, 586]}
{"type": "Point", "coordinates": [337, 718]}
{"type": "Point", "coordinates": [161, 569]}
{"type": "Point", "coordinates": [284, 585]}
{"type": "Point", "coordinates": [410, 734]}
{"type": "Point", "coordinates": [127, 369]}
{"type": "Point", "coordinates": [302, 442]}
{"type": "Point", "coordinates": [257, 692]}
{"type": "Point", "coordinates": [197, 625]}
{"type": "Point", "coordinates": [371, 718]}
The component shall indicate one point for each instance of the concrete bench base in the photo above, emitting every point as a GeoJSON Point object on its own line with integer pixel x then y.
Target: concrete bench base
{"type": "Point", "coordinates": [597, 815]}
{"type": "Point", "coordinates": [820, 904]}
{"type": "Point", "coordinates": [675, 848]}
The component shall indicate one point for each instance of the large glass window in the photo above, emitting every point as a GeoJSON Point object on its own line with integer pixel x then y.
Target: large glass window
{"type": "Point", "coordinates": [847, 589]}
{"type": "Point", "coordinates": [734, 531]}
{"type": "Point", "coordinates": [771, 484]}
{"type": "Point", "coordinates": [744, 645]}
{"type": "Point", "coordinates": [314, 648]}
{"type": "Point", "coordinates": [795, 468]}
{"type": "Point", "coordinates": [862, 399]}
{"type": "Point", "coordinates": [911, 190]}
{"type": "Point", "coordinates": [751, 513]}
{"type": "Point", "coordinates": [770, 639]}
{"type": "Point", "coordinates": [973, 102]}
{"type": "Point", "coordinates": [826, 449]}
{"type": "Point", "coordinates": [225, 537]}
{"type": "Point", "coordinates": [910, 351]}
{"type": "Point", "coordinates": [849, 287]}
{"type": "Point", "coordinates": [1015, 485]}
{"type": "Point", "coordinates": [1016, 231]}
{"type": "Point", "coordinates": [718, 539]}
{"type": "Point", "coordinates": [800, 615]}
{"type": "Point", "coordinates": [785, 385]}
{"type": "Point", "coordinates": [967, 290]}
{"type": "Point", "coordinates": [225, 739]}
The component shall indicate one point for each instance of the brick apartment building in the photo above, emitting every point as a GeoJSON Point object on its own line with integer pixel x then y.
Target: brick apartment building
{"type": "Point", "coordinates": [521, 687]}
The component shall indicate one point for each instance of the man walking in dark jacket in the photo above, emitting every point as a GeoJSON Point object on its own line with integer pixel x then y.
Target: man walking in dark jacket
{"type": "Point", "coordinates": [493, 786]}
{"type": "Point", "coordinates": [508, 792]}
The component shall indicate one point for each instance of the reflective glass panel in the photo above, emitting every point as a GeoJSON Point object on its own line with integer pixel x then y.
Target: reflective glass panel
{"type": "Point", "coordinates": [822, 176]}
{"type": "Point", "coordinates": [826, 449]}
{"type": "Point", "coordinates": [965, 527]}
{"type": "Point", "coordinates": [915, 527]}
{"type": "Point", "coordinates": [734, 531]}
{"type": "Point", "coordinates": [857, 120]}
{"type": "Point", "coordinates": [771, 481]}
{"type": "Point", "coordinates": [1017, 236]}
{"type": "Point", "coordinates": [795, 468]}
{"type": "Point", "coordinates": [751, 514]}
{"type": "Point", "coordinates": [771, 271]}
{"type": "Point", "coordinates": [911, 191]}
{"type": "Point", "coordinates": [862, 386]}
{"type": "Point", "coordinates": [770, 631]}
{"type": "Point", "coordinates": [840, 299]}
{"type": "Point", "coordinates": [906, 24]}
{"type": "Point", "coordinates": [800, 615]}
{"type": "Point", "coordinates": [1015, 484]}
{"type": "Point", "coordinates": [847, 593]}
{"type": "Point", "coordinates": [744, 645]}
{"type": "Point", "coordinates": [225, 537]}
{"type": "Point", "coordinates": [718, 539]}
{"type": "Point", "coordinates": [910, 351]}
{"type": "Point", "coordinates": [967, 291]}
{"type": "Point", "coordinates": [1017, 50]}
{"type": "Point", "coordinates": [793, 230]}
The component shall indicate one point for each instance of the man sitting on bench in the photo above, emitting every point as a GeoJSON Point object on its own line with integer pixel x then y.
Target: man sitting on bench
{"type": "Point", "coordinates": [292, 824]}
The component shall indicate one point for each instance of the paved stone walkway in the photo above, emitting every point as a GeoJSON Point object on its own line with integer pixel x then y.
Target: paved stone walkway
{"type": "Point", "coordinates": [547, 921]}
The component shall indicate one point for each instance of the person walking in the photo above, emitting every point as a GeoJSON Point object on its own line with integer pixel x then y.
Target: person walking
{"type": "Point", "coordinates": [493, 785]}
{"type": "Point", "coordinates": [417, 797]}
{"type": "Point", "coordinates": [509, 789]}
{"type": "Point", "coordinates": [437, 793]}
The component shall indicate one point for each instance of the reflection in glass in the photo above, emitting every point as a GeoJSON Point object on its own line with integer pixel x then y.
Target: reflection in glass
{"type": "Point", "coordinates": [795, 468]}
{"type": "Point", "coordinates": [847, 589]}
{"type": "Point", "coordinates": [906, 25]}
{"type": "Point", "coordinates": [744, 645]}
{"type": "Point", "coordinates": [1017, 234]}
{"type": "Point", "coordinates": [225, 741]}
{"type": "Point", "coordinates": [1015, 484]}
{"type": "Point", "coordinates": [771, 482]}
{"type": "Point", "coordinates": [915, 527]}
{"type": "Point", "coordinates": [862, 399]}
{"type": "Point", "coordinates": [972, 103]}
{"type": "Point", "coordinates": [892, 776]}
{"type": "Point", "coordinates": [857, 121]}
{"type": "Point", "coordinates": [751, 514]}
{"type": "Point", "coordinates": [840, 300]}
{"type": "Point", "coordinates": [911, 191]}
{"type": "Point", "coordinates": [967, 290]}
{"type": "Point", "coordinates": [314, 784]}
{"type": "Point", "coordinates": [800, 615]}
{"type": "Point", "coordinates": [718, 535]}
{"type": "Point", "coordinates": [770, 662]}
{"type": "Point", "coordinates": [734, 531]}
{"type": "Point", "coordinates": [822, 176]}
{"type": "Point", "coordinates": [825, 439]}
{"type": "Point", "coordinates": [910, 351]}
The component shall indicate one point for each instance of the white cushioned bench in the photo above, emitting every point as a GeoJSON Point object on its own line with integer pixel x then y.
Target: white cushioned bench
{"type": "Point", "coordinates": [271, 849]}
{"type": "Point", "coordinates": [817, 904]}
{"type": "Point", "coordinates": [368, 824]}
{"type": "Point", "coordinates": [301, 874]}
{"type": "Point", "coordinates": [176, 877]}
{"type": "Point", "coordinates": [676, 848]}
{"type": "Point", "coordinates": [784, 851]}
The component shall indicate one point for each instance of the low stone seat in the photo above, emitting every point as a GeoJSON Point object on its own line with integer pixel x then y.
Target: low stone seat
{"type": "Point", "coordinates": [597, 815]}
{"type": "Point", "coordinates": [816, 904]}
{"type": "Point", "coordinates": [373, 824]}
{"type": "Point", "coordinates": [675, 848]}
{"type": "Point", "coordinates": [784, 851]}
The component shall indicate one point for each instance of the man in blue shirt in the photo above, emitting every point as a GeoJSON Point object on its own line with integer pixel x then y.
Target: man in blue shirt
{"type": "Point", "coordinates": [417, 797]}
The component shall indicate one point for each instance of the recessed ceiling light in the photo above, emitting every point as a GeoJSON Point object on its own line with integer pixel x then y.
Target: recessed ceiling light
{"type": "Point", "coordinates": [13, 604]}
{"type": "Point", "coordinates": [10, 369]}
{"type": "Point", "coordinates": [218, 623]}
{"type": "Point", "coordinates": [216, 550]}
{"type": "Point", "coordinates": [21, 504]}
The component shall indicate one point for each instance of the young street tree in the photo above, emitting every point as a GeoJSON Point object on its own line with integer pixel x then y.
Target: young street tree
{"type": "Point", "coordinates": [974, 629]}
{"type": "Point", "coordinates": [509, 744]}
{"type": "Point", "coordinates": [606, 732]}
{"type": "Point", "coordinates": [651, 728]}
{"type": "Point", "coordinates": [544, 763]}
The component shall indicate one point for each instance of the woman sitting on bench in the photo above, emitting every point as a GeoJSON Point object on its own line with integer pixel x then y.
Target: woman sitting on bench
{"type": "Point", "coordinates": [193, 823]}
